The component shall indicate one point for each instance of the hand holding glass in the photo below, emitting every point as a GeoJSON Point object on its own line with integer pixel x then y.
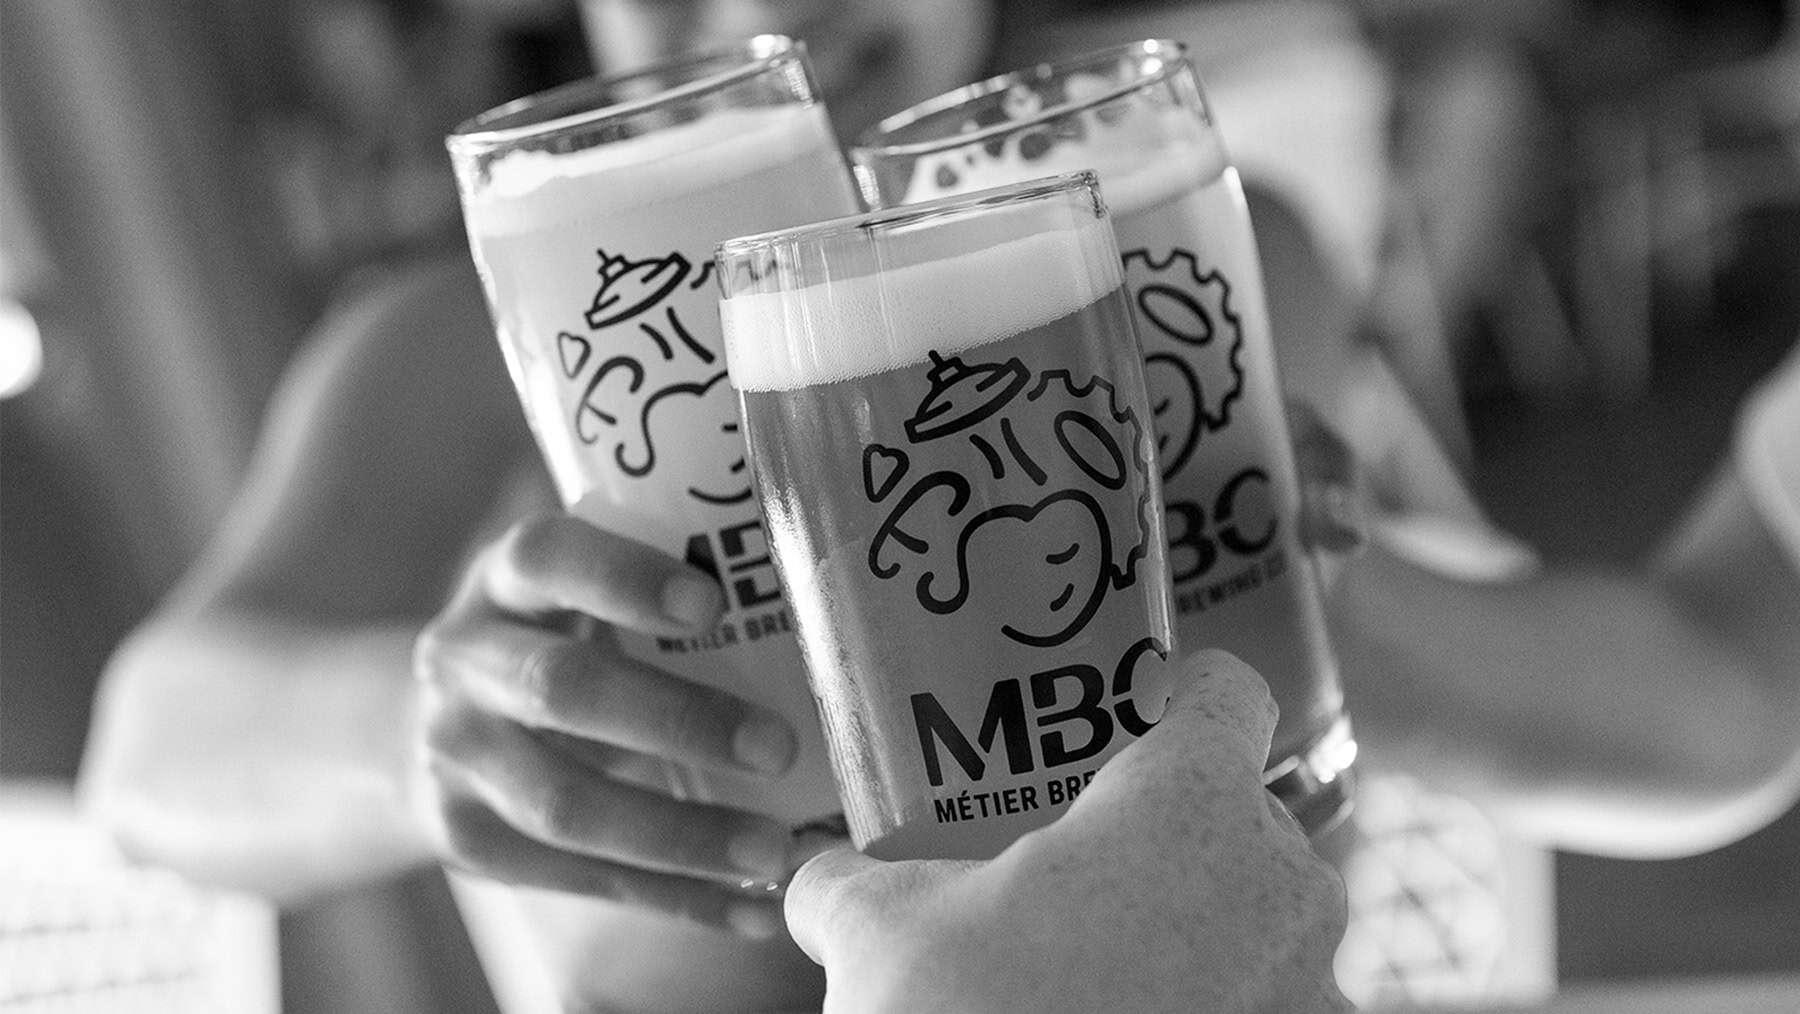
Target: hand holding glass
{"type": "Point", "coordinates": [638, 756]}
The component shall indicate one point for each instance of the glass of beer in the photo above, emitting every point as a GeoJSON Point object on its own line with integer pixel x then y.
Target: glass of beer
{"type": "Point", "coordinates": [949, 428]}
{"type": "Point", "coordinates": [1136, 115]}
{"type": "Point", "coordinates": [592, 212]}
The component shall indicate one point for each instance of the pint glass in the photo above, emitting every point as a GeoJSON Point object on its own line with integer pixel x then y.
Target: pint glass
{"type": "Point", "coordinates": [948, 424]}
{"type": "Point", "coordinates": [592, 212]}
{"type": "Point", "coordinates": [1136, 115]}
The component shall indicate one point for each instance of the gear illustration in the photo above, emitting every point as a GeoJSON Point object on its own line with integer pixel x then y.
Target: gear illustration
{"type": "Point", "coordinates": [1193, 345]}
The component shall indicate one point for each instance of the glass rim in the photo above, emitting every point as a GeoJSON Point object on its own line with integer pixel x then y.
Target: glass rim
{"type": "Point", "coordinates": [886, 219]}
{"type": "Point", "coordinates": [869, 140]}
{"type": "Point", "coordinates": [522, 118]}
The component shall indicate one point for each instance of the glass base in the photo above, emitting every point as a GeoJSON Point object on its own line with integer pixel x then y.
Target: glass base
{"type": "Point", "coordinates": [1318, 783]}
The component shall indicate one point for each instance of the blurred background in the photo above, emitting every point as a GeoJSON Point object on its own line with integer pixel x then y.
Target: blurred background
{"type": "Point", "coordinates": [1589, 249]}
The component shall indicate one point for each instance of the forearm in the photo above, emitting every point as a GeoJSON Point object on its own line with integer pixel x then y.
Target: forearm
{"type": "Point", "coordinates": [257, 754]}
{"type": "Point", "coordinates": [1595, 712]}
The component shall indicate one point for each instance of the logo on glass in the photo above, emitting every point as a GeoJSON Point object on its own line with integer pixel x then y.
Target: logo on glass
{"type": "Point", "coordinates": [1056, 448]}
{"type": "Point", "coordinates": [649, 397]}
{"type": "Point", "coordinates": [1192, 345]}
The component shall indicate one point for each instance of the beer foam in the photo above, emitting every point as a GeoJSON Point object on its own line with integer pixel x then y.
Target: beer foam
{"type": "Point", "coordinates": [855, 327]}
{"type": "Point", "coordinates": [1134, 173]}
{"type": "Point", "coordinates": [531, 190]}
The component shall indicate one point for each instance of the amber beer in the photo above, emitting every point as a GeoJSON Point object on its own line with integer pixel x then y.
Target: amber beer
{"type": "Point", "coordinates": [592, 213]}
{"type": "Point", "coordinates": [1241, 579]}
{"type": "Point", "coordinates": [948, 424]}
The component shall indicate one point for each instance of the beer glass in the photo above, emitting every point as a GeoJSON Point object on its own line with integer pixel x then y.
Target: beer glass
{"type": "Point", "coordinates": [1137, 116]}
{"type": "Point", "coordinates": [949, 429]}
{"type": "Point", "coordinates": [592, 212]}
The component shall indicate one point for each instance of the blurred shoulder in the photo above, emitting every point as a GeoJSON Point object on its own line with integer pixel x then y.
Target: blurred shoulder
{"type": "Point", "coordinates": [410, 327]}
{"type": "Point", "coordinates": [438, 297]}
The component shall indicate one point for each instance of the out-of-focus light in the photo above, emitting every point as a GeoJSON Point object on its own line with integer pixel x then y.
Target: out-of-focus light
{"type": "Point", "coordinates": [1338, 759]}
{"type": "Point", "coordinates": [21, 348]}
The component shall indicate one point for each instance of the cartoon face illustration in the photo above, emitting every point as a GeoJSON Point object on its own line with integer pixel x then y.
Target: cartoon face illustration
{"type": "Point", "coordinates": [1193, 341]}
{"type": "Point", "coordinates": [700, 420]}
{"type": "Point", "coordinates": [1041, 570]}
{"type": "Point", "coordinates": [1174, 409]}
{"type": "Point", "coordinates": [650, 390]}
{"type": "Point", "coordinates": [1044, 551]}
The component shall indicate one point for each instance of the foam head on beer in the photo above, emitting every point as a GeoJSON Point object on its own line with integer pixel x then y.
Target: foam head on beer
{"type": "Point", "coordinates": [527, 190]}
{"type": "Point", "coordinates": [809, 325]}
{"type": "Point", "coordinates": [1005, 129]}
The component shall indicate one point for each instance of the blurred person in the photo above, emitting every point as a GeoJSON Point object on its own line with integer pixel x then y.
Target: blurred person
{"type": "Point", "coordinates": [1650, 712]}
{"type": "Point", "coordinates": [299, 625]}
